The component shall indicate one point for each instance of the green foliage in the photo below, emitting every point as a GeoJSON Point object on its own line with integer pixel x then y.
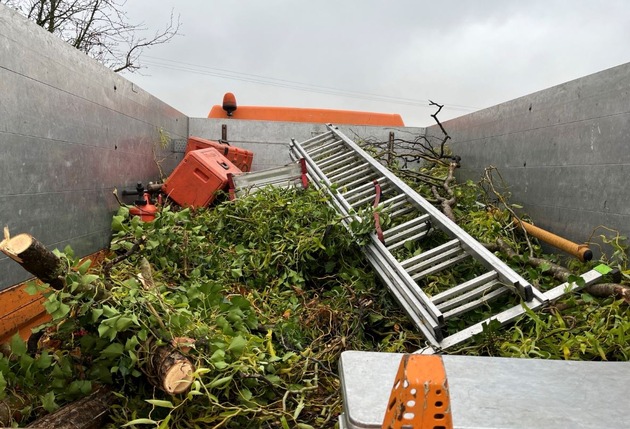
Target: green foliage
{"type": "Point", "coordinates": [271, 288]}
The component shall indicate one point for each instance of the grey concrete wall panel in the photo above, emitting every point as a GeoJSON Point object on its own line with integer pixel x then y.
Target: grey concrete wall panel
{"type": "Point", "coordinates": [70, 132]}
{"type": "Point", "coordinates": [563, 152]}
{"type": "Point", "coordinates": [269, 141]}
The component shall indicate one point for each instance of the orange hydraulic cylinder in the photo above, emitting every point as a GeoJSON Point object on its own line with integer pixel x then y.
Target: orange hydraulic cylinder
{"type": "Point", "coordinates": [580, 251]}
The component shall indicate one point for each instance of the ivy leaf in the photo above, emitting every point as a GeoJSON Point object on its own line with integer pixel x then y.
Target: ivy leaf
{"type": "Point", "coordinates": [33, 288]}
{"type": "Point", "coordinates": [84, 267]}
{"type": "Point", "coordinates": [113, 350]}
{"type": "Point", "coordinates": [18, 346]}
{"type": "Point", "coordinates": [237, 345]}
{"type": "Point", "coordinates": [48, 402]}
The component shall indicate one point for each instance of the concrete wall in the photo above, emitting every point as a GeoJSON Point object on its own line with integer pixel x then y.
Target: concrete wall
{"type": "Point", "coordinates": [269, 141]}
{"type": "Point", "coordinates": [70, 132]}
{"type": "Point", "coordinates": [563, 151]}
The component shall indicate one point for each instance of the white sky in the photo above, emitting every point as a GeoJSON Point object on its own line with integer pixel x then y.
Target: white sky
{"type": "Point", "coordinates": [465, 54]}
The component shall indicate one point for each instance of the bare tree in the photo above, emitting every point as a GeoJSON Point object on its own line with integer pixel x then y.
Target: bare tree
{"type": "Point", "coordinates": [100, 28]}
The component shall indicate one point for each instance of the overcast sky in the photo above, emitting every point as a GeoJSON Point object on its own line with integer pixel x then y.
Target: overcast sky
{"type": "Point", "coordinates": [385, 56]}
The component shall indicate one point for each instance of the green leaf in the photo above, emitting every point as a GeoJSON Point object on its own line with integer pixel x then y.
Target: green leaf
{"type": "Point", "coordinates": [140, 422]}
{"type": "Point", "coordinates": [220, 382]}
{"type": "Point", "coordinates": [113, 350]}
{"type": "Point", "coordinates": [603, 269]}
{"type": "Point", "coordinates": [43, 361]}
{"type": "Point", "coordinates": [160, 403]}
{"type": "Point", "coordinates": [48, 402]}
{"type": "Point", "coordinates": [237, 345]}
{"type": "Point", "coordinates": [3, 385]}
{"type": "Point", "coordinates": [33, 288]}
{"type": "Point", "coordinates": [164, 424]}
{"type": "Point", "coordinates": [18, 346]}
{"type": "Point", "coordinates": [84, 267]}
{"type": "Point", "coordinates": [117, 223]}
{"type": "Point", "coordinates": [96, 313]}
{"type": "Point", "coordinates": [88, 279]}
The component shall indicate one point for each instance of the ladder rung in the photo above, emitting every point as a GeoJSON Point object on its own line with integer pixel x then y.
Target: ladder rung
{"type": "Point", "coordinates": [318, 139]}
{"type": "Point", "coordinates": [393, 203]}
{"type": "Point", "coordinates": [334, 176]}
{"type": "Point", "coordinates": [368, 190]}
{"type": "Point", "coordinates": [439, 267]}
{"type": "Point", "coordinates": [471, 284]}
{"type": "Point", "coordinates": [336, 160]}
{"type": "Point", "coordinates": [369, 198]}
{"type": "Point", "coordinates": [350, 194]}
{"type": "Point", "coordinates": [412, 234]}
{"type": "Point", "coordinates": [328, 151]}
{"type": "Point", "coordinates": [410, 303]}
{"type": "Point", "coordinates": [359, 172]}
{"type": "Point", "coordinates": [367, 178]}
{"type": "Point", "coordinates": [341, 166]}
{"type": "Point", "coordinates": [327, 145]}
{"type": "Point", "coordinates": [406, 225]}
{"type": "Point", "coordinates": [488, 294]}
{"type": "Point", "coordinates": [405, 209]}
{"type": "Point", "coordinates": [429, 254]}
{"type": "Point", "coordinates": [478, 293]}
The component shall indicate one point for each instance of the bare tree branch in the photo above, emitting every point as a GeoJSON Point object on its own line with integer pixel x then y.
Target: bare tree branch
{"type": "Point", "coordinates": [99, 28]}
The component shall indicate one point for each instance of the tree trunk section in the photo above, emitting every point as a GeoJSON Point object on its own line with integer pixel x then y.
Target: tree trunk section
{"type": "Point", "coordinates": [167, 368]}
{"type": "Point", "coordinates": [35, 258]}
{"type": "Point", "coordinates": [86, 413]}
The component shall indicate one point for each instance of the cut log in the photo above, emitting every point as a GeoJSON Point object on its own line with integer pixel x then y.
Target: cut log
{"type": "Point", "coordinates": [86, 413]}
{"type": "Point", "coordinates": [167, 368]}
{"type": "Point", "coordinates": [35, 258]}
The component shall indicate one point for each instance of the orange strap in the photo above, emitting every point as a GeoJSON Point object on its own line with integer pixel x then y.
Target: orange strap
{"type": "Point", "coordinates": [419, 398]}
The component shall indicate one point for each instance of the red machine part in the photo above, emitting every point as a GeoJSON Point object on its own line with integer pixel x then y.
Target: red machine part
{"type": "Point", "coordinates": [145, 211]}
{"type": "Point", "coordinates": [419, 398]}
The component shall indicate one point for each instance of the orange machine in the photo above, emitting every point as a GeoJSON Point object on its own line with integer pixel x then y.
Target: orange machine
{"type": "Point", "coordinates": [196, 179]}
{"type": "Point", "coordinates": [229, 109]}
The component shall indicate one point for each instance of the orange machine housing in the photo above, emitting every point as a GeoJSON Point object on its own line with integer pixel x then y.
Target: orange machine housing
{"type": "Point", "coordinates": [298, 114]}
{"type": "Point", "coordinates": [242, 158]}
{"type": "Point", "coordinates": [196, 180]}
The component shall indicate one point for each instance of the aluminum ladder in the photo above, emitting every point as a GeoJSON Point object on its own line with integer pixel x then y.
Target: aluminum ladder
{"type": "Point", "coordinates": [355, 180]}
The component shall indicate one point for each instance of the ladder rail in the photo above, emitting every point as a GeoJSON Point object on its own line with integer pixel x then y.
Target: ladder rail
{"type": "Point", "coordinates": [378, 248]}
{"type": "Point", "coordinates": [482, 254]}
{"type": "Point", "coordinates": [428, 313]}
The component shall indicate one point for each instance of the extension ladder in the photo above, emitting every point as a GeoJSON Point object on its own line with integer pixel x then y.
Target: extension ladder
{"type": "Point", "coordinates": [356, 181]}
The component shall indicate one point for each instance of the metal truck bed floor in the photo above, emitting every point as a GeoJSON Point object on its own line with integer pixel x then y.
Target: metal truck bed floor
{"type": "Point", "coordinates": [497, 393]}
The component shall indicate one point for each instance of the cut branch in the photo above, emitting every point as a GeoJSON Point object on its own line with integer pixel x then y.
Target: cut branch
{"type": "Point", "coordinates": [447, 204]}
{"type": "Point", "coordinates": [86, 413]}
{"type": "Point", "coordinates": [167, 368]}
{"type": "Point", "coordinates": [35, 258]}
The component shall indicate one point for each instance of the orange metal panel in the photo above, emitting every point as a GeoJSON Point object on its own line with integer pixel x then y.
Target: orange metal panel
{"type": "Point", "coordinates": [298, 114]}
{"type": "Point", "coordinates": [20, 312]}
{"type": "Point", "coordinates": [419, 398]}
